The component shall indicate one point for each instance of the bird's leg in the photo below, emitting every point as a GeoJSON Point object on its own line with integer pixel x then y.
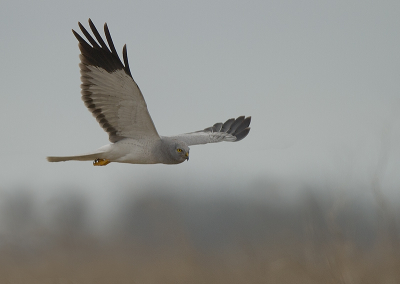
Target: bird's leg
{"type": "Point", "coordinates": [101, 162]}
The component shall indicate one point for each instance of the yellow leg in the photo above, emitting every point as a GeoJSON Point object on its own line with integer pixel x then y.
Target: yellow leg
{"type": "Point", "coordinates": [101, 162]}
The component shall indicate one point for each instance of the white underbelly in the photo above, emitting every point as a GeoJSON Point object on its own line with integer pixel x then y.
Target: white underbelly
{"type": "Point", "coordinates": [132, 151]}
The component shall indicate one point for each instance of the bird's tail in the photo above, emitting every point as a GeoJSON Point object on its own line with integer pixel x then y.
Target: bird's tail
{"type": "Point", "coordinates": [87, 157]}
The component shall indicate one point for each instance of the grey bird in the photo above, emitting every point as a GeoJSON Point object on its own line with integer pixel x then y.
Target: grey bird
{"type": "Point", "coordinates": [115, 100]}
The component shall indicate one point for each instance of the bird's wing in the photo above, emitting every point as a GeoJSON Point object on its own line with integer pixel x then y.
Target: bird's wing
{"type": "Point", "coordinates": [232, 130]}
{"type": "Point", "coordinates": [109, 91]}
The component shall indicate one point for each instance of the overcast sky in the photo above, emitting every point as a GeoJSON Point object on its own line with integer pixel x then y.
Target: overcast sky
{"type": "Point", "coordinates": [321, 80]}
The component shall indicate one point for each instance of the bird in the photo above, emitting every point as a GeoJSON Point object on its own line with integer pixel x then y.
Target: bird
{"type": "Point", "coordinates": [115, 100]}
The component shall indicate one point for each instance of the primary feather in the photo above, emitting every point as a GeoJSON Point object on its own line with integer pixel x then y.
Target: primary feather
{"type": "Point", "coordinates": [232, 130]}
{"type": "Point", "coordinates": [109, 91]}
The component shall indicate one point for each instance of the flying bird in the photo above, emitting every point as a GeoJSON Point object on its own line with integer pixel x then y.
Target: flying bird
{"type": "Point", "coordinates": [115, 100]}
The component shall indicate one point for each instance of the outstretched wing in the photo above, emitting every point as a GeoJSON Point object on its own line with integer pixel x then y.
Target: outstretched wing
{"type": "Point", "coordinates": [232, 130]}
{"type": "Point", "coordinates": [109, 91]}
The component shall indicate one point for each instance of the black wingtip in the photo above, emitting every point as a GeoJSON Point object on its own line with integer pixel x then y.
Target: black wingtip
{"type": "Point", "coordinates": [97, 53]}
{"type": "Point", "coordinates": [125, 57]}
{"type": "Point", "coordinates": [238, 127]}
{"type": "Point", "coordinates": [235, 125]}
{"type": "Point", "coordinates": [81, 26]}
{"type": "Point", "coordinates": [217, 127]}
{"type": "Point", "coordinates": [109, 39]}
{"type": "Point", "coordinates": [244, 124]}
{"type": "Point", "coordinates": [242, 134]}
{"type": "Point", "coordinates": [227, 124]}
{"type": "Point", "coordinates": [97, 35]}
{"type": "Point", "coordinates": [82, 42]}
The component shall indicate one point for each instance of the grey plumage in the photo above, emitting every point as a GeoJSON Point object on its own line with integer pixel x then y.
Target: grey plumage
{"type": "Point", "coordinates": [232, 130]}
{"type": "Point", "coordinates": [115, 100]}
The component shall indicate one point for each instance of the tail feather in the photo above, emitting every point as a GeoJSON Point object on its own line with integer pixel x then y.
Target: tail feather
{"type": "Point", "coordinates": [87, 157]}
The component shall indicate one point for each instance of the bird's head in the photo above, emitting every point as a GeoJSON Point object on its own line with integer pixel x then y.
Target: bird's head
{"type": "Point", "coordinates": [180, 151]}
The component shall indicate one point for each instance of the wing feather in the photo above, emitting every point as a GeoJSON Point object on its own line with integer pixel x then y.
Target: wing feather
{"type": "Point", "coordinates": [232, 130]}
{"type": "Point", "coordinates": [108, 89]}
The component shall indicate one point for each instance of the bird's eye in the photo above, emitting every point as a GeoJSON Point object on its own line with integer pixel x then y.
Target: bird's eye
{"type": "Point", "coordinates": [179, 150]}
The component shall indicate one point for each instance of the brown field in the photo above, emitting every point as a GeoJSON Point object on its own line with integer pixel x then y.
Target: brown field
{"type": "Point", "coordinates": [164, 239]}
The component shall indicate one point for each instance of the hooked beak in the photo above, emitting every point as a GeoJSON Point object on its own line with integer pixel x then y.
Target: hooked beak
{"type": "Point", "coordinates": [187, 156]}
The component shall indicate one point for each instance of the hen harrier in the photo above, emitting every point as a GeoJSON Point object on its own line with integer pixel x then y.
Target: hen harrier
{"type": "Point", "coordinates": [113, 97]}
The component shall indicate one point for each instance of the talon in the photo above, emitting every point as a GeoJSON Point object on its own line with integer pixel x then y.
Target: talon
{"type": "Point", "coordinates": [101, 162]}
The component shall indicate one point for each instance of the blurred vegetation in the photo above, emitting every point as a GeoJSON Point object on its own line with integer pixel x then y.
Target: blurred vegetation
{"type": "Point", "coordinates": [165, 237]}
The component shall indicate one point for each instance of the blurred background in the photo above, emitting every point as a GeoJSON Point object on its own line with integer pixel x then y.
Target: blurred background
{"type": "Point", "coordinates": [310, 196]}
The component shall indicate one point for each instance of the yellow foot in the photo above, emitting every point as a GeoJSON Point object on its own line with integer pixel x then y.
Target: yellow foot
{"type": "Point", "coordinates": [101, 162]}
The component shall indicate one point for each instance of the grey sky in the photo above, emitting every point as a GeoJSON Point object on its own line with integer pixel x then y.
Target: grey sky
{"type": "Point", "coordinates": [319, 78]}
